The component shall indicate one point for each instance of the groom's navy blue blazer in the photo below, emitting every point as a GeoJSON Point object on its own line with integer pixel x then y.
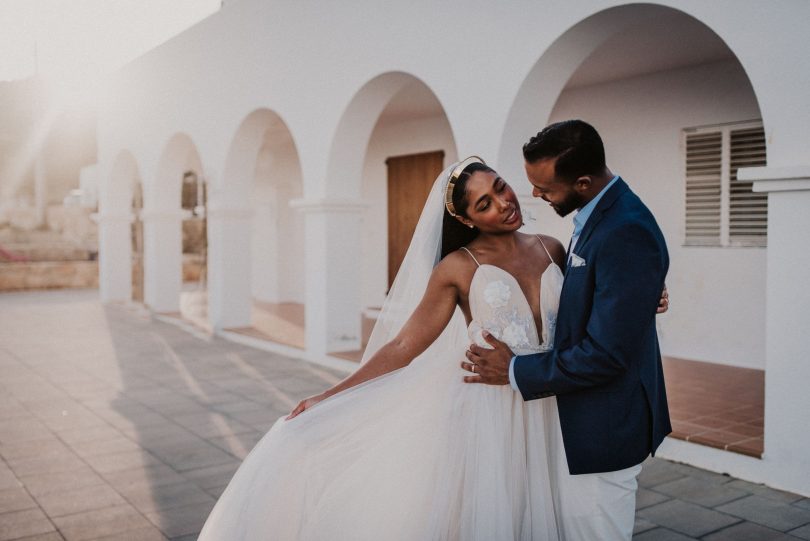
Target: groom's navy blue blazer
{"type": "Point", "coordinates": [605, 367]}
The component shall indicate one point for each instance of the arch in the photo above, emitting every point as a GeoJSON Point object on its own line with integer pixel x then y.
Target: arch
{"type": "Point", "coordinates": [614, 70]}
{"type": "Point", "coordinates": [546, 79]}
{"type": "Point", "coordinates": [261, 127]}
{"type": "Point", "coordinates": [179, 156]}
{"type": "Point", "coordinates": [254, 228]}
{"type": "Point", "coordinates": [350, 141]}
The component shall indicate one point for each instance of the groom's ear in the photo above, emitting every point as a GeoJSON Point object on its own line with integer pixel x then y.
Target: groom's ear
{"type": "Point", "coordinates": [583, 184]}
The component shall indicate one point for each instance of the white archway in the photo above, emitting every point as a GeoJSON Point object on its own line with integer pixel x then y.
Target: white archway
{"type": "Point", "coordinates": [646, 76]}
{"type": "Point", "coordinates": [392, 114]}
{"type": "Point", "coordinates": [265, 237]}
{"type": "Point", "coordinates": [163, 217]}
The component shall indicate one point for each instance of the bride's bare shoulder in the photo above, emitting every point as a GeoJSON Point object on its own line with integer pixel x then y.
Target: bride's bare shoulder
{"type": "Point", "coordinates": [456, 268]}
{"type": "Point", "coordinates": [554, 247]}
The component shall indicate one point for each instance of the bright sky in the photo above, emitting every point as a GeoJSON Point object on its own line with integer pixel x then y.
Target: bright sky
{"type": "Point", "coordinates": [78, 38]}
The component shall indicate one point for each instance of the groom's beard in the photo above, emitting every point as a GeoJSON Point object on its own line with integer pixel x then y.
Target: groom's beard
{"type": "Point", "coordinates": [568, 205]}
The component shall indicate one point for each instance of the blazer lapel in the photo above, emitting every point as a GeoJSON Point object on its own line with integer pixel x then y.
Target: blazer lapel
{"type": "Point", "coordinates": [604, 204]}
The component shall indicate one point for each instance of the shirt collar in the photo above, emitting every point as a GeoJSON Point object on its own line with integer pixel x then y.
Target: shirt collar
{"type": "Point", "coordinates": [585, 212]}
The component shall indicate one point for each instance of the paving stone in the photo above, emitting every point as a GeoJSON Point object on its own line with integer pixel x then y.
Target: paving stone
{"type": "Point", "coordinates": [765, 492]}
{"type": "Point", "coordinates": [804, 503]}
{"type": "Point", "coordinates": [687, 518]}
{"type": "Point", "coordinates": [8, 479]}
{"type": "Point", "coordinates": [642, 525]}
{"type": "Point", "coordinates": [117, 444]}
{"type": "Point", "coordinates": [23, 429]}
{"type": "Point", "coordinates": [260, 419]}
{"type": "Point", "coordinates": [646, 498]}
{"type": "Point", "coordinates": [142, 534]}
{"type": "Point", "coordinates": [656, 471]}
{"type": "Point", "coordinates": [156, 498]}
{"type": "Point", "coordinates": [53, 463]}
{"type": "Point", "coordinates": [19, 450]}
{"type": "Point", "coordinates": [121, 461]}
{"type": "Point", "coordinates": [703, 475]}
{"type": "Point", "coordinates": [24, 523]}
{"type": "Point", "coordinates": [51, 536]}
{"type": "Point", "coordinates": [748, 531]}
{"type": "Point", "coordinates": [701, 492]}
{"type": "Point", "coordinates": [98, 523]}
{"type": "Point", "coordinates": [78, 500]}
{"type": "Point", "coordinates": [44, 484]}
{"type": "Point", "coordinates": [68, 420]}
{"type": "Point", "coordinates": [188, 458]}
{"type": "Point", "coordinates": [213, 476]}
{"type": "Point", "coordinates": [770, 513]}
{"type": "Point", "coordinates": [149, 476]}
{"type": "Point", "coordinates": [181, 520]}
{"type": "Point", "coordinates": [662, 534]}
{"type": "Point", "coordinates": [216, 492]}
{"type": "Point", "coordinates": [801, 533]}
{"type": "Point", "coordinates": [190, 537]}
{"type": "Point", "coordinates": [239, 445]}
{"type": "Point", "coordinates": [15, 499]}
{"type": "Point", "coordinates": [211, 424]}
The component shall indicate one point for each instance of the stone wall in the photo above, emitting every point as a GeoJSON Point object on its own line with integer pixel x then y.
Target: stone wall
{"type": "Point", "coordinates": [16, 276]}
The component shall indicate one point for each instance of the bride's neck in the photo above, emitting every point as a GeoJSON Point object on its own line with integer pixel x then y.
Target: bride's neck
{"type": "Point", "coordinates": [506, 242]}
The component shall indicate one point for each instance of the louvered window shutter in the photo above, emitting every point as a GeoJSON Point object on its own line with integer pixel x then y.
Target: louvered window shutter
{"type": "Point", "coordinates": [703, 187]}
{"type": "Point", "coordinates": [720, 210]}
{"type": "Point", "coordinates": [748, 211]}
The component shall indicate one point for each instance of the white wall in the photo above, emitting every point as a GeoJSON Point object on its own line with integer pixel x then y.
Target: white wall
{"type": "Point", "coordinates": [392, 139]}
{"type": "Point", "coordinates": [718, 294]}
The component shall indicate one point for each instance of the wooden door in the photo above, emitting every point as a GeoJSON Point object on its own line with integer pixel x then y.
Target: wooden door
{"type": "Point", "coordinates": [409, 181]}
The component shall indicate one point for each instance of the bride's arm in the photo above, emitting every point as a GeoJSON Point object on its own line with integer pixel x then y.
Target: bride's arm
{"type": "Point", "coordinates": [424, 326]}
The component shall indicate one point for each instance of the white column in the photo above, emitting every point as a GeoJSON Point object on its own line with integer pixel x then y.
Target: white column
{"type": "Point", "coordinates": [332, 256]}
{"type": "Point", "coordinates": [787, 370]}
{"type": "Point", "coordinates": [229, 265]}
{"type": "Point", "coordinates": [163, 259]}
{"type": "Point", "coordinates": [114, 256]}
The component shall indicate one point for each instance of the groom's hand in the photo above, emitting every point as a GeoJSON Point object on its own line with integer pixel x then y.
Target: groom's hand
{"type": "Point", "coordinates": [490, 366]}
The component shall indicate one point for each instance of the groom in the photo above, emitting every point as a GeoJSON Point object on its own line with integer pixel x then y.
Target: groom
{"type": "Point", "coordinates": [605, 367]}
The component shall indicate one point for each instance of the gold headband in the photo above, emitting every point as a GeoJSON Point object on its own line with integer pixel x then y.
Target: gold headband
{"type": "Point", "coordinates": [451, 183]}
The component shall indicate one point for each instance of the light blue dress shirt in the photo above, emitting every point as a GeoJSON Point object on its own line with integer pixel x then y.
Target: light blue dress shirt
{"type": "Point", "coordinates": [580, 220]}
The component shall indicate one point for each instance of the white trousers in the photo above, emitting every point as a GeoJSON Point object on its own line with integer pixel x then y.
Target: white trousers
{"type": "Point", "coordinates": [590, 506]}
{"type": "Point", "coordinates": [597, 506]}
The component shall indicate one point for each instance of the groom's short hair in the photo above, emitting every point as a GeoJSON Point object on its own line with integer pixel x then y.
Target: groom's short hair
{"type": "Point", "coordinates": [576, 145]}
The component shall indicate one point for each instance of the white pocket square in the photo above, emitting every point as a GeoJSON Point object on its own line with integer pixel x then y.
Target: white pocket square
{"type": "Point", "coordinates": [576, 261]}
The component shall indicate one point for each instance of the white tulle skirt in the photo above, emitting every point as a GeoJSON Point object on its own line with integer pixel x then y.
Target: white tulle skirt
{"type": "Point", "coordinates": [414, 455]}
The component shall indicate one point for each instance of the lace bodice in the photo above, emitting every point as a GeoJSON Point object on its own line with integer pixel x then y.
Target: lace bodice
{"type": "Point", "coordinates": [498, 305]}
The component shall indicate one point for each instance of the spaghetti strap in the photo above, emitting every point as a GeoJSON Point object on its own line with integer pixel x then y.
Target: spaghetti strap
{"type": "Point", "coordinates": [543, 244]}
{"type": "Point", "coordinates": [472, 256]}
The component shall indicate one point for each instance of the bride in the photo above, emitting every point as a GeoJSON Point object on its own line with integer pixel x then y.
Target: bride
{"type": "Point", "coordinates": [403, 448]}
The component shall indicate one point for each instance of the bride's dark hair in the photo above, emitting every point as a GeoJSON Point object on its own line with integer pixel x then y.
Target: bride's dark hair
{"type": "Point", "coordinates": [454, 233]}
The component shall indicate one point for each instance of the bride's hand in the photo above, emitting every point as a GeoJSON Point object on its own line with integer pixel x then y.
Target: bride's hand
{"type": "Point", "coordinates": [663, 302]}
{"type": "Point", "coordinates": [305, 404]}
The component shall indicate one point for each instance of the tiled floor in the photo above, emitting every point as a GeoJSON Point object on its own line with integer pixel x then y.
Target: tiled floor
{"type": "Point", "coordinates": [114, 426]}
{"type": "Point", "coordinates": [716, 405]}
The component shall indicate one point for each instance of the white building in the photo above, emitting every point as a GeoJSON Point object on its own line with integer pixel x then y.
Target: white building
{"type": "Point", "coordinates": [289, 111]}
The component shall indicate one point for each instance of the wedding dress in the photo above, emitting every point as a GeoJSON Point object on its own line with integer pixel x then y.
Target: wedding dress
{"type": "Point", "coordinates": [416, 454]}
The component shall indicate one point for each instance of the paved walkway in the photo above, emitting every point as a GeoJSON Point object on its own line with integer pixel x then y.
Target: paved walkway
{"type": "Point", "coordinates": [116, 427]}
